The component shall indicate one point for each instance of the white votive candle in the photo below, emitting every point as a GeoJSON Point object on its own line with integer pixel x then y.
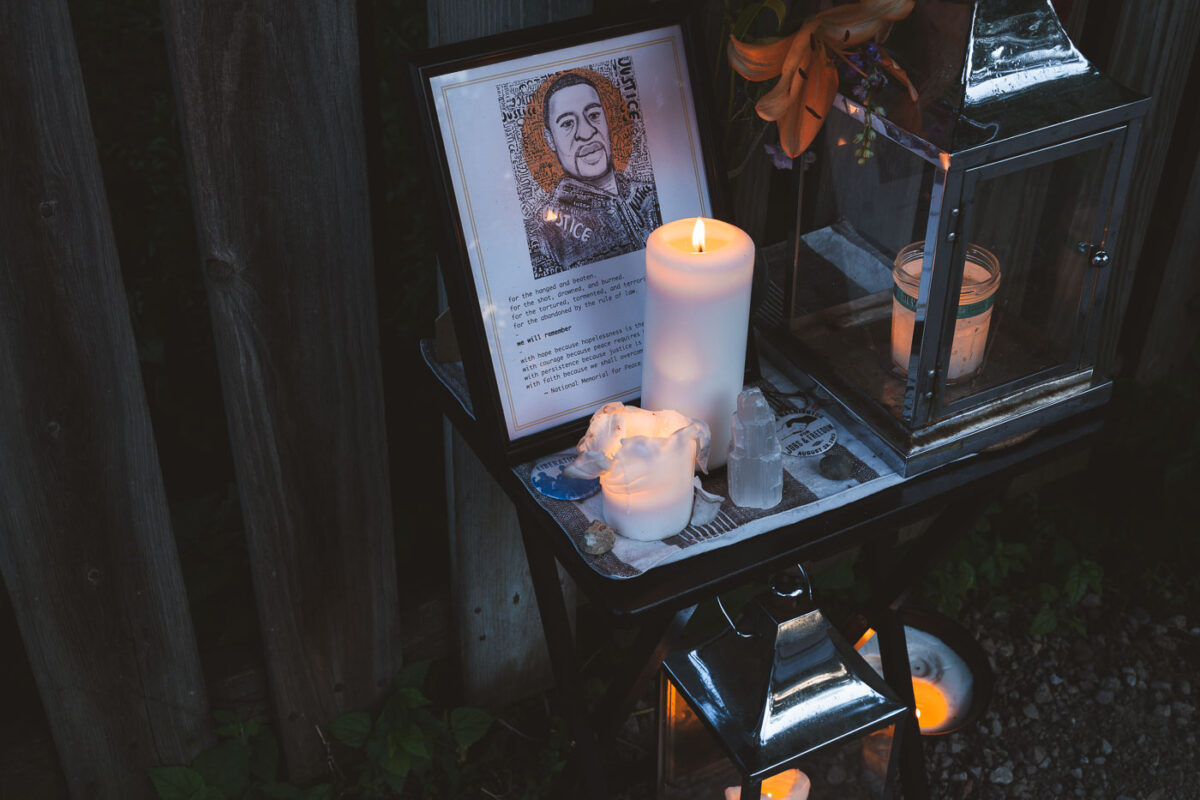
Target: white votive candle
{"type": "Point", "coordinates": [645, 461]}
{"type": "Point", "coordinates": [698, 275]}
{"type": "Point", "coordinates": [791, 784]}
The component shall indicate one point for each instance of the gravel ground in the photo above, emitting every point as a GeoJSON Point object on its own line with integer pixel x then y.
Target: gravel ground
{"type": "Point", "coordinates": [1110, 716]}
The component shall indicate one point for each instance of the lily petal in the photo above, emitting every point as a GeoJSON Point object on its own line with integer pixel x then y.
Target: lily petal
{"type": "Point", "coordinates": [775, 103]}
{"type": "Point", "coordinates": [817, 100]}
{"type": "Point", "coordinates": [889, 63]}
{"type": "Point", "coordinates": [758, 62]}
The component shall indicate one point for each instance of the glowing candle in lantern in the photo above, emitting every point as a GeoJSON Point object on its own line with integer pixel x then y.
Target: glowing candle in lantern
{"type": "Point", "coordinates": [981, 278]}
{"type": "Point", "coordinates": [933, 709]}
{"type": "Point", "coordinates": [645, 461]}
{"type": "Point", "coordinates": [791, 784]}
{"type": "Point", "coordinates": [698, 274]}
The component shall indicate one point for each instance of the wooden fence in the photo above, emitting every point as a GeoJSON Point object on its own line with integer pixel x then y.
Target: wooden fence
{"type": "Point", "coordinates": [268, 94]}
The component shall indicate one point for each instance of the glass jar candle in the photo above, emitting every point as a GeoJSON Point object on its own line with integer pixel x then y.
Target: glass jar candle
{"type": "Point", "coordinates": [981, 278]}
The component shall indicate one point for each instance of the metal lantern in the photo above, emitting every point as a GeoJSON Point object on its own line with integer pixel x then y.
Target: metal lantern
{"type": "Point", "coordinates": [775, 705]}
{"type": "Point", "coordinates": [948, 276]}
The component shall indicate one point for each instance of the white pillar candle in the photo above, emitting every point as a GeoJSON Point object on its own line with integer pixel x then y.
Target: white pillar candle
{"type": "Point", "coordinates": [645, 461]}
{"type": "Point", "coordinates": [697, 316]}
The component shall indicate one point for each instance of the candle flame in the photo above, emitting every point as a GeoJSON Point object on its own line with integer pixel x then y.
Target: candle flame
{"type": "Point", "coordinates": [550, 215]}
{"type": "Point", "coordinates": [698, 235]}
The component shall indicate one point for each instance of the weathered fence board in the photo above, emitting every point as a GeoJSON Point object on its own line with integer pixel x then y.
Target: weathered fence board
{"type": "Point", "coordinates": [502, 652]}
{"type": "Point", "coordinates": [86, 546]}
{"type": "Point", "coordinates": [272, 126]}
{"type": "Point", "coordinates": [1152, 51]}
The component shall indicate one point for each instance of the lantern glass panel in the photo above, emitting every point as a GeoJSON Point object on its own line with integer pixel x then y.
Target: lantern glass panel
{"type": "Point", "coordinates": [1037, 228]}
{"type": "Point", "coordinates": [855, 219]}
{"type": "Point", "coordinates": [692, 765]}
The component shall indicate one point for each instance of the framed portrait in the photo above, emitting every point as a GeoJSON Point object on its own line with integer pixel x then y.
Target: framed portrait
{"type": "Point", "coordinates": [556, 151]}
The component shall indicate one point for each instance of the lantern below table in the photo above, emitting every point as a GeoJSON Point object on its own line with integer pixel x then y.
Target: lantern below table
{"type": "Point", "coordinates": [778, 692]}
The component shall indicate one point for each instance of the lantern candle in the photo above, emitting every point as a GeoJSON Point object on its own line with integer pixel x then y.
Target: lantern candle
{"type": "Point", "coordinates": [698, 275]}
{"type": "Point", "coordinates": [645, 461]}
{"type": "Point", "coordinates": [981, 278]}
{"type": "Point", "coordinates": [791, 784]}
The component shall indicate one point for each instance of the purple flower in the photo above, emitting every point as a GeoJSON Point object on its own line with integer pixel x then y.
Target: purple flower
{"type": "Point", "coordinates": [779, 159]}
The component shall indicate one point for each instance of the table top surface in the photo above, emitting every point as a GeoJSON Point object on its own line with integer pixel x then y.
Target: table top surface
{"type": "Point", "coordinates": [816, 519]}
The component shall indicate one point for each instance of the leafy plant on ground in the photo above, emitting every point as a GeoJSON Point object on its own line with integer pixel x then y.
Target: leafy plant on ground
{"type": "Point", "coordinates": [410, 749]}
{"type": "Point", "coordinates": [1019, 552]}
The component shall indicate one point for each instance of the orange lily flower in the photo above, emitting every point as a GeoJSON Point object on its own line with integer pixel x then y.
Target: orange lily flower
{"type": "Point", "coordinates": [804, 60]}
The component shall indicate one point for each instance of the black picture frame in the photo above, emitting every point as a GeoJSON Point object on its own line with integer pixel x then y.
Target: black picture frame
{"type": "Point", "coordinates": [462, 287]}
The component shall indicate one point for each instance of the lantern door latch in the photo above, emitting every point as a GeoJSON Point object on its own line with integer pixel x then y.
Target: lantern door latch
{"type": "Point", "coordinates": [1099, 258]}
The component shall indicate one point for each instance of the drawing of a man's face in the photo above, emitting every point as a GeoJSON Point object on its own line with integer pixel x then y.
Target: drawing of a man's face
{"type": "Point", "coordinates": [577, 130]}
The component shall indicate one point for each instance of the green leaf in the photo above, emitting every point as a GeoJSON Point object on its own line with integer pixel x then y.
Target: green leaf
{"type": "Point", "coordinates": [177, 783]}
{"type": "Point", "coordinates": [411, 741]}
{"type": "Point", "coordinates": [1076, 585]}
{"type": "Point", "coordinates": [352, 729]}
{"type": "Point", "coordinates": [469, 725]}
{"type": "Point", "coordinates": [1047, 592]}
{"type": "Point", "coordinates": [745, 19]}
{"type": "Point", "coordinates": [411, 675]}
{"type": "Point", "coordinates": [395, 782]}
{"type": "Point", "coordinates": [396, 762]}
{"type": "Point", "coordinates": [411, 698]}
{"type": "Point", "coordinates": [780, 10]}
{"type": "Point", "coordinates": [226, 766]}
{"type": "Point", "coordinates": [1045, 622]}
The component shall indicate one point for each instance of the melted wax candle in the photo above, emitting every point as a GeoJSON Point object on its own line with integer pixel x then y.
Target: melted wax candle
{"type": "Point", "coordinates": [645, 461]}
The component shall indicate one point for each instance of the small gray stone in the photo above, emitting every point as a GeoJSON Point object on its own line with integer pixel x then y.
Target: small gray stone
{"type": "Point", "coordinates": [835, 466]}
{"type": "Point", "coordinates": [1105, 747]}
{"type": "Point", "coordinates": [598, 539]}
{"type": "Point", "coordinates": [1042, 695]}
{"type": "Point", "coordinates": [1030, 711]}
{"type": "Point", "coordinates": [1002, 775]}
{"type": "Point", "coordinates": [1104, 697]}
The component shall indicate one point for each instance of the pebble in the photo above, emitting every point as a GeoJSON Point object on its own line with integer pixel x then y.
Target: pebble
{"type": "Point", "coordinates": [835, 466]}
{"type": "Point", "coordinates": [1002, 775]}
{"type": "Point", "coordinates": [598, 539]}
{"type": "Point", "coordinates": [1030, 711]}
{"type": "Point", "coordinates": [1042, 695]}
{"type": "Point", "coordinates": [1105, 747]}
{"type": "Point", "coordinates": [1081, 652]}
{"type": "Point", "coordinates": [1104, 697]}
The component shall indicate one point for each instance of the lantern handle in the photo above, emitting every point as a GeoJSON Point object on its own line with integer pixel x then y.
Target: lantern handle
{"type": "Point", "coordinates": [732, 625]}
{"type": "Point", "coordinates": [796, 585]}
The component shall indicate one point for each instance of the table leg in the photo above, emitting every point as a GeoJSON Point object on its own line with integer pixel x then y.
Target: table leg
{"type": "Point", "coordinates": [556, 625]}
{"type": "Point", "coordinates": [656, 638]}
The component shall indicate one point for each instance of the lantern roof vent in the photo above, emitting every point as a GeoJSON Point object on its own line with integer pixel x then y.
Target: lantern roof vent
{"type": "Point", "coordinates": [992, 71]}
